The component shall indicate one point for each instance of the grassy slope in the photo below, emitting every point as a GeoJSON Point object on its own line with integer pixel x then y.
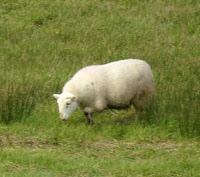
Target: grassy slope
{"type": "Point", "coordinates": [44, 42]}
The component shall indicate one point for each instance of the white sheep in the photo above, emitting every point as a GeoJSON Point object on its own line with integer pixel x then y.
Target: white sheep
{"type": "Point", "coordinates": [117, 84]}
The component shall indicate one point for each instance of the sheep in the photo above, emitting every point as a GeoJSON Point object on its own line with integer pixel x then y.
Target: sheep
{"type": "Point", "coordinates": [118, 84]}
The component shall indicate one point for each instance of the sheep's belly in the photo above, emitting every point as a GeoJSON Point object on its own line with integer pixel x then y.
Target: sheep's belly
{"type": "Point", "coordinates": [119, 106]}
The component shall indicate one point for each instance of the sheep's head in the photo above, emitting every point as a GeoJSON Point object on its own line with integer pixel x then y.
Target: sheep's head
{"type": "Point", "coordinates": [66, 104]}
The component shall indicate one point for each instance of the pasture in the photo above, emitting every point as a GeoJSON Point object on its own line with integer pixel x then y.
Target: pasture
{"type": "Point", "coordinates": [43, 43]}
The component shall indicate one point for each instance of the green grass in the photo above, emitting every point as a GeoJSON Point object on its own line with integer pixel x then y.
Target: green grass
{"type": "Point", "coordinates": [43, 43]}
{"type": "Point", "coordinates": [103, 159]}
{"type": "Point", "coordinates": [81, 150]}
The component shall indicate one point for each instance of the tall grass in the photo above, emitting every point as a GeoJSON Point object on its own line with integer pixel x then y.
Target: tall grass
{"type": "Point", "coordinates": [17, 101]}
{"type": "Point", "coordinates": [43, 43]}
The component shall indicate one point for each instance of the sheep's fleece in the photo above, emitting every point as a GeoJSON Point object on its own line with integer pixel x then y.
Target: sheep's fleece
{"type": "Point", "coordinates": [117, 84]}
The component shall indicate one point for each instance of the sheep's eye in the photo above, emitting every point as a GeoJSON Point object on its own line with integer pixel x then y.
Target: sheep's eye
{"type": "Point", "coordinates": [67, 104]}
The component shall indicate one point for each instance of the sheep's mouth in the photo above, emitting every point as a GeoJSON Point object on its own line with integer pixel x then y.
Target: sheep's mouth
{"type": "Point", "coordinates": [64, 120]}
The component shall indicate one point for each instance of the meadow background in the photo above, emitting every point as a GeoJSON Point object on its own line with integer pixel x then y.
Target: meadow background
{"type": "Point", "coordinates": [44, 42]}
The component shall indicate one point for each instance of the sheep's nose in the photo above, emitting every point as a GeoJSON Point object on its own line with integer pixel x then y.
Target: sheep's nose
{"type": "Point", "coordinates": [61, 117]}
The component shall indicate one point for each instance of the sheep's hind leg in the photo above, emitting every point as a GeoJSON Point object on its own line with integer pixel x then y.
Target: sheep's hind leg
{"type": "Point", "coordinates": [89, 118]}
{"type": "Point", "coordinates": [138, 104]}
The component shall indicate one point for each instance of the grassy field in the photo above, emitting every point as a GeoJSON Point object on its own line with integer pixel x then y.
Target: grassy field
{"type": "Point", "coordinates": [43, 43]}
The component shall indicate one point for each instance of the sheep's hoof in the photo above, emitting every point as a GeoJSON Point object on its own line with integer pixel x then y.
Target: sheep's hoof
{"type": "Point", "coordinates": [90, 122]}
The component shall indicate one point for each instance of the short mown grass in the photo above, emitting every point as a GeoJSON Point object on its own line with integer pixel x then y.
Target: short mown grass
{"type": "Point", "coordinates": [43, 43]}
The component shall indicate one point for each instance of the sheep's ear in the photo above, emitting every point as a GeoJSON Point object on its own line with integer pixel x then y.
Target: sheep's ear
{"type": "Point", "coordinates": [56, 96]}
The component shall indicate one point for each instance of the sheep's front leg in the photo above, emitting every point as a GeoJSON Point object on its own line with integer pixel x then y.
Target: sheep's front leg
{"type": "Point", "coordinates": [89, 118]}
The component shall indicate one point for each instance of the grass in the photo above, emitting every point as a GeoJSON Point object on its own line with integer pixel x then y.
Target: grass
{"type": "Point", "coordinates": [103, 159]}
{"type": "Point", "coordinates": [95, 151]}
{"type": "Point", "coordinates": [43, 43]}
